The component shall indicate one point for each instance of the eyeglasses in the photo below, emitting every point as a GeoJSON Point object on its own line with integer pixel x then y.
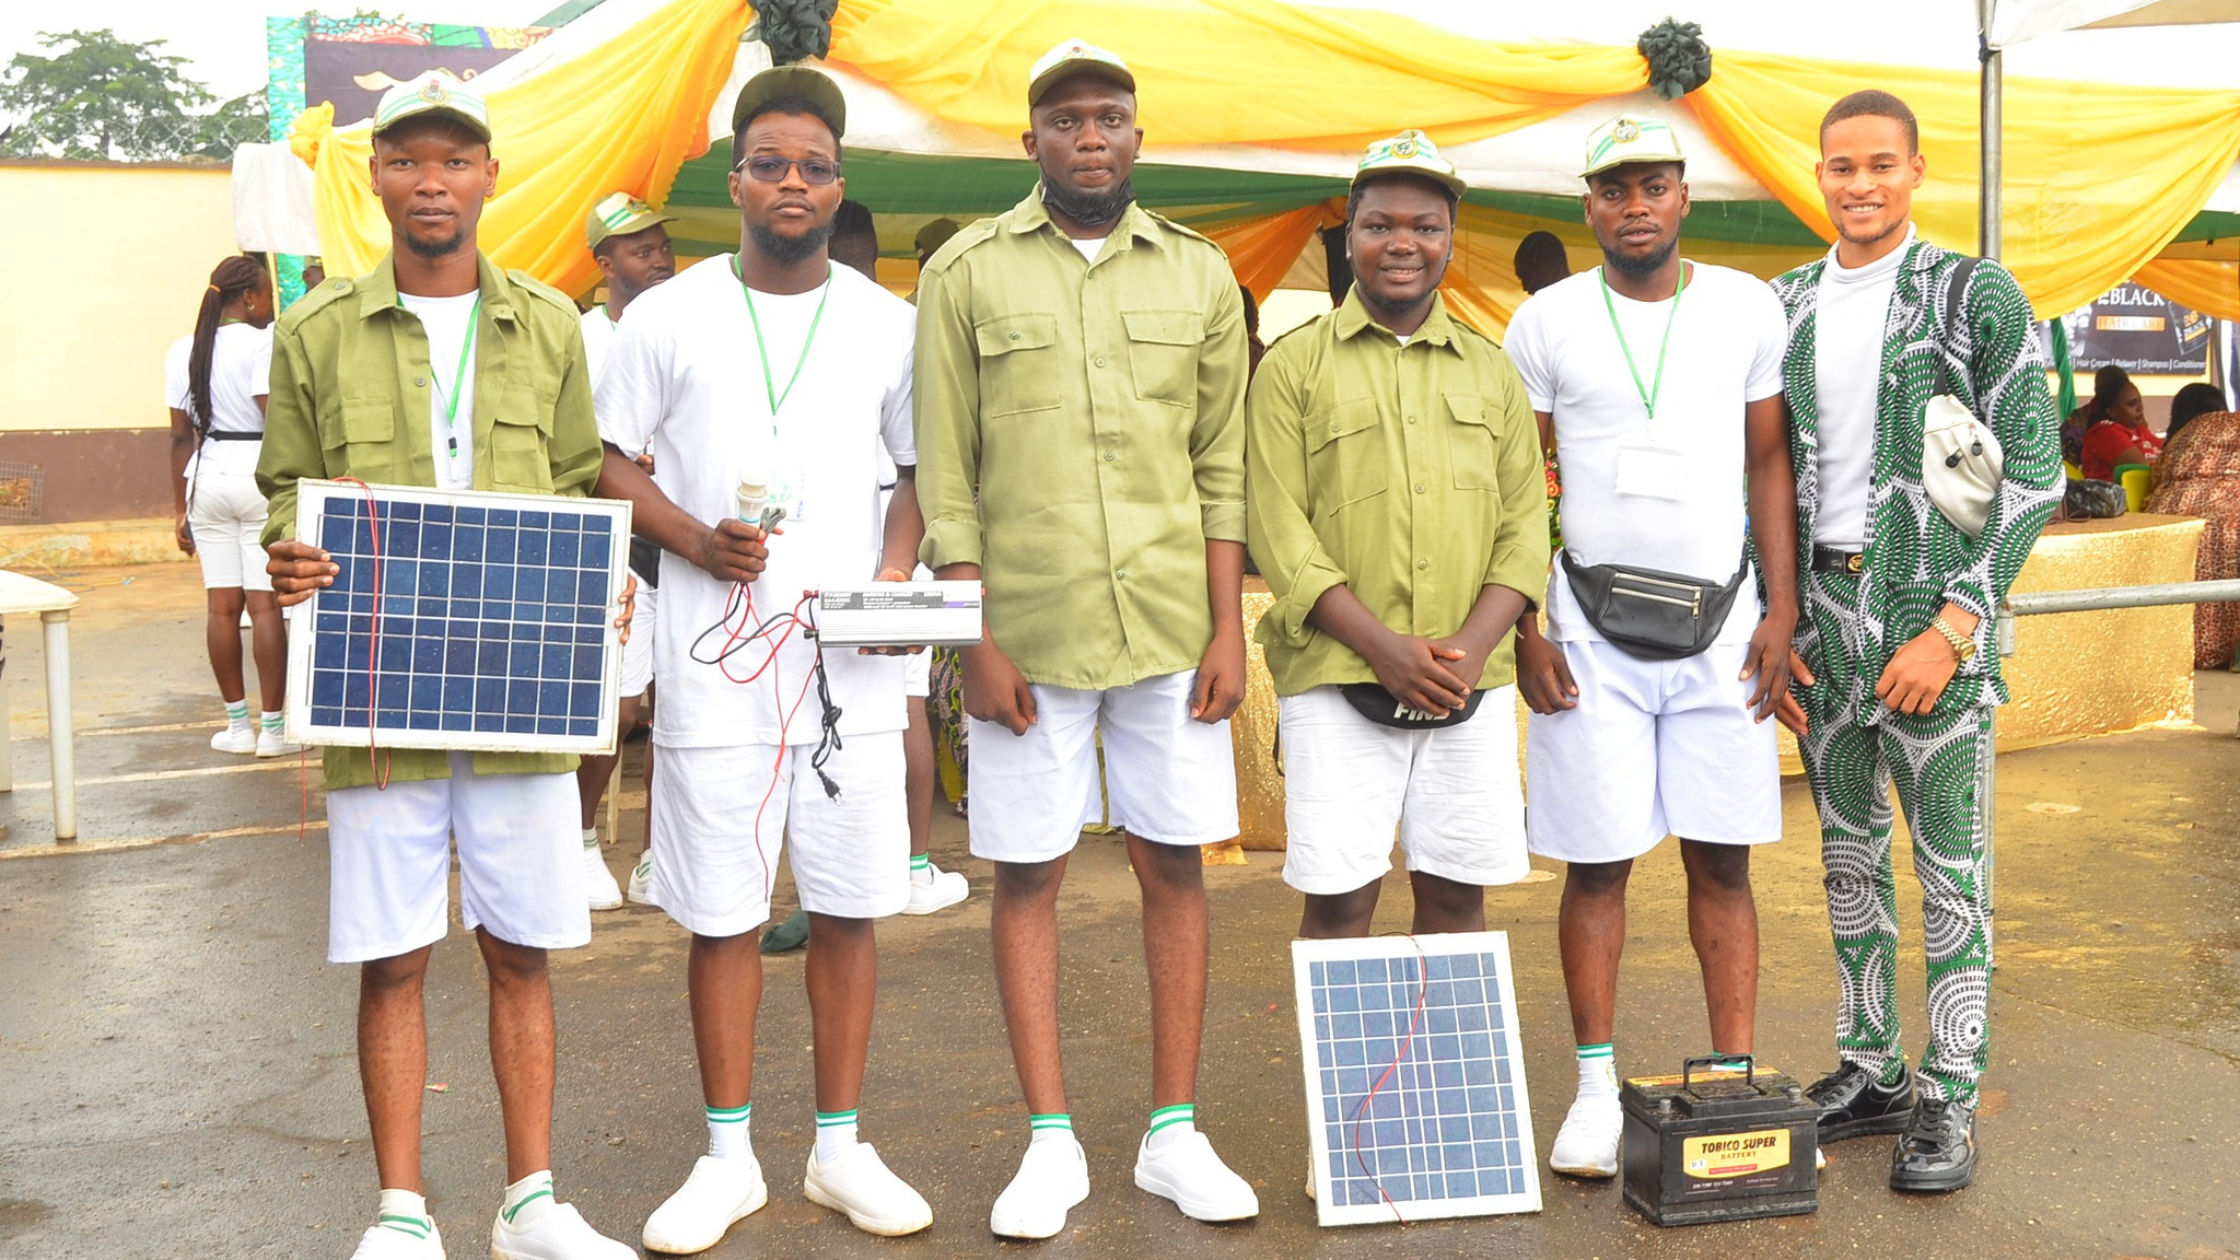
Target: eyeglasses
{"type": "Point", "coordinates": [766, 169]}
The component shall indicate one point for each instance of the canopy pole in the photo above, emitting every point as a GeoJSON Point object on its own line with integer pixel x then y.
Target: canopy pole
{"type": "Point", "coordinates": [1988, 202]}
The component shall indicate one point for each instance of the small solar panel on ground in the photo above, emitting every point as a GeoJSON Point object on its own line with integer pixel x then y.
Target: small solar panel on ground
{"type": "Point", "coordinates": [492, 630]}
{"type": "Point", "coordinates": [1416, 1103]}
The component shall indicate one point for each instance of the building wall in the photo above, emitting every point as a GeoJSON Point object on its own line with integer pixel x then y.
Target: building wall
{"type": "Point", "coordinates": [111, 260]}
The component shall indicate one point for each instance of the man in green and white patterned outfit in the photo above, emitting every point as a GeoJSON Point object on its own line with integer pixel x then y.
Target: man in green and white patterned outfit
{"type": "Point", "coordinates": [1898, 670]}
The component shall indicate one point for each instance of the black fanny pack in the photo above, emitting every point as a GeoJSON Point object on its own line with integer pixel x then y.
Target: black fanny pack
{"type": "Point", "coordinates": [645, 561]}
{"type": "Point", "coordinates": [1378, 705]}
{"type": "Point", "coordinates": [1649, 614]}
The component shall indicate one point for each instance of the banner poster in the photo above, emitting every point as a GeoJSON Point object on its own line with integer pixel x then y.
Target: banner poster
{"type": "Point", "coordinates": [2140, 331]}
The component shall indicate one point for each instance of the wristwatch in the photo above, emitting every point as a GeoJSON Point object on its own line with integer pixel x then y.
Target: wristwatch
{"type": "Point", "coordinates": [1963, 647]}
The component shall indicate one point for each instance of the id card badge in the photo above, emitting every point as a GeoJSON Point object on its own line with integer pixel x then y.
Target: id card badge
{"type": "Point", "coordinates": [1650, 472]}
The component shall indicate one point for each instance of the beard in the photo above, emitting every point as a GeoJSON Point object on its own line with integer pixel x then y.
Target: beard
{"type": "Point", "coordinates": [1090, 209]}
{"type": "Point", "coordinates": [1642, 266]}
{"type": "Point", "coordinates": [787, 250]}
{"type": "Point", "coordinates": [436, 249]}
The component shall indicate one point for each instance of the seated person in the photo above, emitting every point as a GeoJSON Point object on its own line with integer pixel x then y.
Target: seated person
{"type": "Point", "coordinates": [2199, 475]}
{"type": "Point", "coordinates": [2116, 431]}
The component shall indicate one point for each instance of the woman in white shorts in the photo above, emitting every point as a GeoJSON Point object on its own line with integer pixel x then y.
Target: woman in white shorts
{"type": "Point", "coordinates": [214, 385]}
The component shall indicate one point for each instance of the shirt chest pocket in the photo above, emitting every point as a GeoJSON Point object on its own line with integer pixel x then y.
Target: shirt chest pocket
{"type": "Point", "coordinates": [1472, 445]}
{"type": "Point", "coordinates": [1163, 354]}
{"type": "Point", "coordinates": [521, 439]}
{"type": "Point", "coordinates": [364, 445]}
{"type": "Point", "coordinates": [1018, 364]}
{"type": "Point", "coordinates": [1345, 456]}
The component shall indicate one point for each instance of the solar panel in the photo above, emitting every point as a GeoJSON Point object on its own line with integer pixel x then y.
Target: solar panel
{"type": "Point", "coordinates": [1416, 1104]}
{"type": "Point", "coordinates": [494, 629]}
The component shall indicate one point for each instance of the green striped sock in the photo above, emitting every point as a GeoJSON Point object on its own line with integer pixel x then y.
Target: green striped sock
{"type": "Point", "coordinates": [920, 861]}
{"type": "Point", "coordinates": [727, 1131]}
{"type": "Point", "coordinates": [237, 715]}
{"type": "Point", "coordinates": [528, 1199]}
{"type": "Point", "coordinates": [406, 1213]}
{"type": "Point", "coordinates": [836, 1133]}
{"type": "Point", "coordinates": [590, 837]}
{"type": "Point", "coordinates": [274, 721]}
{"type": "Point", "coordinates": [1173, 1122]}
{"type": "Point", "coordinates": [1049, 1126]}
{"type": "Point", "coordinates": [1598, 1069]}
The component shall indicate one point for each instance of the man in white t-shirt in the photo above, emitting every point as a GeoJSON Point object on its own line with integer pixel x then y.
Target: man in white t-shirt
{"type": "Point", "coordinates": [1658, 385]}
{"type": "Point", "coordinates": [633, 253]}
{"type": "Point", "coordinates": [774, 368]}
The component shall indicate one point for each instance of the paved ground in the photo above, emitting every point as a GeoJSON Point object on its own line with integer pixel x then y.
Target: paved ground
{"type": "Point", "coordinates": [177, 1076]}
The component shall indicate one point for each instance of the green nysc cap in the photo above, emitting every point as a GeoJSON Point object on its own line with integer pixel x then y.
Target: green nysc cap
{"type": "Point", "coordinates": [433, 93]}
{"type": "Point", "coordinates": [813, 86]}
{"type": "Point", "coordinates": [1409, 153]}
{"type": "Point", "coordinates": [620, 214]}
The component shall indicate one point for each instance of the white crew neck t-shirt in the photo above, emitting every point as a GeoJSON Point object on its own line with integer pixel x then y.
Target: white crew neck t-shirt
{"type": "Point", "coordinates": [449, 321]}
{"type": "Point", "coordinates": [685, 375]}
{"type": "Point", "coordinates": [240, 371]}
{"type": "Point", "coordinates": [598, 334]}
{"type": "Point", "coordinates": [1089, 248]}
{"type": "Point", "coordinates": [1664, 494]}
{"type": "Point", "coordinates": [1852, 309]}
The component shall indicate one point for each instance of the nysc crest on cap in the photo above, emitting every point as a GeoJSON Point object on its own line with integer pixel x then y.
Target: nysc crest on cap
{"type": "Point", "coordinates": [1630, 138]}
{"type": "Point", "coordinates": [433, 93]}
{"type": "Point", "coordinates": [620, 214]}
{"type": "Point", "coordinates": [1071, 58]}
{"type": "Point", "coordinates": [813, 86]}
{"type": "Point", "coordinates": [1409, 153]}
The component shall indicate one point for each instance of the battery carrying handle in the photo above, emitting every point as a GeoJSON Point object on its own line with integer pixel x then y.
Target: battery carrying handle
{"type": "Point", "coordinates": [1687, 1069]}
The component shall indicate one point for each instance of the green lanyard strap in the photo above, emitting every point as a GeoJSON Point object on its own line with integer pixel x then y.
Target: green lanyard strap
{"type": "Point", "coordinates": [458, 376]}
{"type": "Point", "coordinates": [1650, 392]}
{"type": "Point", "coordinates": [770, 386]}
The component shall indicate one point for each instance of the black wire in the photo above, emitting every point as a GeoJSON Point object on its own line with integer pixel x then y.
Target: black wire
{"type": "Point", "coordinates": [731, 607]}
{"type": "Point", "coordinates": [828, 742]}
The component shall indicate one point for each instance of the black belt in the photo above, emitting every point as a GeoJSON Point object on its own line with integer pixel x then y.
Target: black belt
{"type": "Point", "coordinates": [232, 435]}
{"type": "Point", "coordinates": [1837, 560]}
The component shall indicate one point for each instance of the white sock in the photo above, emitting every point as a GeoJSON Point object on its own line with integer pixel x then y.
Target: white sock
{"type": "Point", "coordinates": [1598, 1072]}
{"type": "Point", "coordinates": [727, 1132]}
{"type": "Point", "coordinates": [921, 868]}
{"type": "Point", "coordinates": [1050, 1128]}
{"type": "Point", "coordinates": [237, 715]}
{"type": "Point", "coordinates": [1169, 1124]}
{"type": "Point", "coordinates": [274, 721]}
{"type": "Point", "coordinates": [590, 837]}
{"type": "Point", "coordinates": [406, 1213]}
{"type": "Point", "coordinates": [528, 1199]}
{"type": "Point", "coordinates": [836, 1135]}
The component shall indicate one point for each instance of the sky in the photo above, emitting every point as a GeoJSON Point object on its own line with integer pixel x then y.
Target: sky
{"type": "Point", "coordinates": [223, 40]}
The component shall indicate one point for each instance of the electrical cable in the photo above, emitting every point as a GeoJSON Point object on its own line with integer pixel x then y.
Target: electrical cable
{"type": "Point", "coordinates": [1423, 989]}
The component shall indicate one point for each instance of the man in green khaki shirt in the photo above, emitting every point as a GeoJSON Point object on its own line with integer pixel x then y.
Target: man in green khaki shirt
{"type": "Point", "coordinates": [1398, 513]}
{"type": "Point", "coordinates": [437, 369]}
{"type": "Point", "coordinates": [1080, 387]}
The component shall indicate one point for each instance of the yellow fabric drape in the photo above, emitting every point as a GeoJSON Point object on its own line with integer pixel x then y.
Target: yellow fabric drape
{"type": "Point", "coordinates": [2213, 288]}
{"type": "Point", "coordinates": [2098, 178]}
{"type": "Point", "coordinates": [623, 117]}
{"type": "Point", "coordinates": [1230, 71]}
{"type": "Point", "coordinates": [1262, 248]}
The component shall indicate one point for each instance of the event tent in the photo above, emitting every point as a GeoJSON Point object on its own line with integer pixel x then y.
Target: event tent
{"type": "Point", "coordinates": [1253, 110]}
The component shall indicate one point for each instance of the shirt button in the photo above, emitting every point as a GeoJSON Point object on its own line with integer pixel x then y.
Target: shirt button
{"type": "Point", "coordinates": [1109, 456]}
{"type": "Point", "coordinates": [1100, 360]}
{"type": "Point", "coordinates": [1419, 487]}
{"type": "Point", "coordinates": [1014, 336]}
{"type": "Point", "coordinates": [1423, 564]}
{"type": "Point", "coordinates": [419, 382]}
{"type": "Point", "coordinates": [1121, 575]}
{"type": "Point", "coordinates": [1411, 419]}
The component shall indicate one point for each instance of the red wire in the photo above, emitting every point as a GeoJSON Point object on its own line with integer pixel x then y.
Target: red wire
{"type": "Point", "coordinates": [374, 763]}
{"type": "Point", "coordinates": [785, 724]}
{"type": "Point", "coordinates": [1423, 988]}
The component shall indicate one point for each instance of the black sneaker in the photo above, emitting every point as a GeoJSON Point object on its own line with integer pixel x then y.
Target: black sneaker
{"type": "Point", "coordinates": [1938, 1150]}
{"type": "Point", "coordinates": [1854, 1102]}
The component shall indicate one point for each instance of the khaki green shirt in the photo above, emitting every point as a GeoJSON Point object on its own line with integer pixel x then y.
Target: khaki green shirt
{"type": "Point", "coordinates": [1410, 474]}
{"type": "Point", "coordinates": [350, 381]}
{"type": "Point", "coordinates": [1081, 437]}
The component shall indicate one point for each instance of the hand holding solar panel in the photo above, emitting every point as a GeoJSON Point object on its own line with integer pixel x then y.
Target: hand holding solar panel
{"type": "Point", "coordinates": [298, 569]}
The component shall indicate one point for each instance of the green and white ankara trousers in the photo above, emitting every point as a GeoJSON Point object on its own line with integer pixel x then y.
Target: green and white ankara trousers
{"type": "Point", "coordinates": [1935, 762]}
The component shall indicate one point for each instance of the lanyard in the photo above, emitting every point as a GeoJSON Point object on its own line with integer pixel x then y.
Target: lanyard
{"type": "Point", "coordinates": [770, 387]}
{"type": "Point", "coordinates": [1656, 385]}
{"type": "Point", "coordinates": [458, 376]}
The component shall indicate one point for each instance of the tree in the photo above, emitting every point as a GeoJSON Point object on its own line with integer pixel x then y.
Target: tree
{"type": "Point", "coordinates": [101, 97]}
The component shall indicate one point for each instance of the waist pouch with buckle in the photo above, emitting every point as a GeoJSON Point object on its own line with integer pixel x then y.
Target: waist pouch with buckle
{"type": "Point", "coordinates": [645, 561]}
{"type": "Point", "coordinates": [1378, 705]}
{"type": "Point", "coordinates": [1649, 614]}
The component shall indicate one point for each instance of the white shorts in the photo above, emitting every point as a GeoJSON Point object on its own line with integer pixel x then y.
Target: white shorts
{"type": "Point", "coordinates": [520, 862]}
{"type": "Point", "coordinates": [226, 514]}
{"type": "Point", "coordinates": [1171, 779]}
{"type": "Point", "coordinates": [637, 654]}
{"type": "Point", "coordinates": [1654, 748]}
{"type": "Point", "coordinates": [917, 675]}
{"type": "Point", "coordinates": [1453, 794]}
{"type": "Point", "coordinates": [713, 866]}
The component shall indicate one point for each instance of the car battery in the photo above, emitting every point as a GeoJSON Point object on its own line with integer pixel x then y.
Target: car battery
{"type": "Point", "coordinates": [1721, 1141]}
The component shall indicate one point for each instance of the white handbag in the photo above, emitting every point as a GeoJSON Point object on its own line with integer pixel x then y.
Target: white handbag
{"type": "Point", "coordinates": [1961, 461]}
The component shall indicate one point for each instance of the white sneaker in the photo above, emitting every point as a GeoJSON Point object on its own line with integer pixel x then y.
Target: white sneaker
{"type": "Point", "coordinates": [1587, 1144]}
{"type": "Point", "coordinates": [274, 743]}
{"type": "Point", "coordinates": [860, 1184]}
{"type": "Point", "coordinates": [641, 880]}
{"type": "Point", "coordinates": [1053, 1176]}
{"type": "Point", "coordinates": [382, 1243]}
{"type": "Point", "coordinates": [1186, 1170]}
{"type": "Point", "coordinates": [560, 1234]}
{"type": "Point", "coordinates": [241, 742]}
{"type": "Point", "coordinates": [598, 881]}
{"type": "Point", "coordinates": [944, 890]}
{"type": "Point", "coordinates": [718, 1194]}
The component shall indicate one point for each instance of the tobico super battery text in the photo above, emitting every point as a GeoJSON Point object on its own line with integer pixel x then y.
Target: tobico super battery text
{"type": "Point", "coordinates": [1721, 1141]}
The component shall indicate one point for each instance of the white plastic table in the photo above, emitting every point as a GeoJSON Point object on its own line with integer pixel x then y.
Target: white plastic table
{"type": "Point", "coordinates": [20, 595]}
